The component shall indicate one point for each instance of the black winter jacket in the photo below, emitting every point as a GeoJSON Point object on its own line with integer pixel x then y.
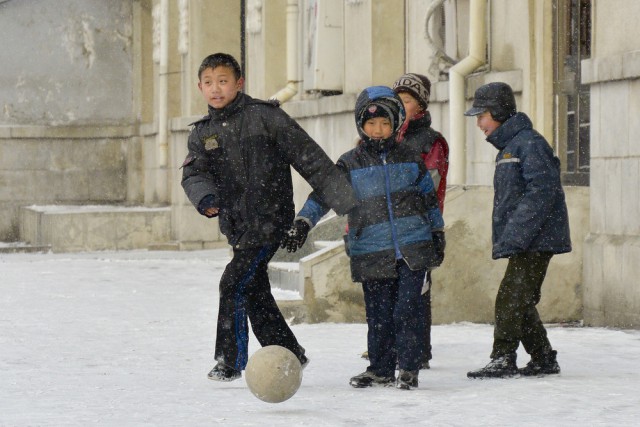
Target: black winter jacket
{"type": "Point", "coordinates": [239, 156]}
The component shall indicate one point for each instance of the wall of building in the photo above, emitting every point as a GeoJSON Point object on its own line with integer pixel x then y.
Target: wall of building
{"type": "Point", "coordinates": [67, 115]}
{"type": "Point", "coordinates": [612, 249]}
{"type": "Point", "coordinates": [66, 63]}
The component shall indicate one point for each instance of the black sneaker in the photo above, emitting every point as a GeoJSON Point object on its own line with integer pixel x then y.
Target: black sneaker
{"type": "Point", "coordinates": [222, 372]}
{"type": "Point", "coordinates": [407, 380]}
{"type": "Point", "coordinates": [369, 379]}
{"type": "Point", "coordinates": [499, 367]}
{"type": "Point", "coordinates": [540, 366]}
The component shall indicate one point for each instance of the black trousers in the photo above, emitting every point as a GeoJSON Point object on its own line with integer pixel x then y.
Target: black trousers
{"type": "Point", "coordinates": [245, 291]}
{"type": "Point", "coordinates": [516, 316]}
{"type": "Point", "coordinates": [395, 321]}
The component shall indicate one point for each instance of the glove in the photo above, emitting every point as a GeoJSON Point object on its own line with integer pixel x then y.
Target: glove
{"type": "Point", "coordinates": [296, 236]}
{"type": "Point", "coordinates": [439, 244]}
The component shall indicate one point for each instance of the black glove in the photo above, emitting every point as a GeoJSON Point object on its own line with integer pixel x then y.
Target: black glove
{"type": "Point", "coordinates": [296, 236]}
{"type": "Point", "coordinates": [439, 244]}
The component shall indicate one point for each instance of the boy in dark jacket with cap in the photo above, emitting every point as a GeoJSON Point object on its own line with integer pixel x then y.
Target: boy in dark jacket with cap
{"type": "Point", "coordinates": [238, 168]}
{"type": "Point", "coordinates": [390, 239]}
{"type": "Point", "coordinates": [530, 225]}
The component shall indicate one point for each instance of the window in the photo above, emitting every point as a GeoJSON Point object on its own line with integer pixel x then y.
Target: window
{"type": "Point", "coordinates": [572, 21]}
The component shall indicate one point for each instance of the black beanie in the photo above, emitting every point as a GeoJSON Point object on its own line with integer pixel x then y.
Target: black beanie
{"type": "Point", "coordinates": [416, 85]}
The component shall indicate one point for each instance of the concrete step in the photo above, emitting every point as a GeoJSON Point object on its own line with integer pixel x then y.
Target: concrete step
{"type": "Point", "coordinates": [21, 247]}
{"type": "Point", "coordinates": [72, 228]}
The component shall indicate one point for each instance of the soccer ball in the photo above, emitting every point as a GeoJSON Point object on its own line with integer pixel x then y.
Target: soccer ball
{"type": "Point", "coordinates": [273, 374]}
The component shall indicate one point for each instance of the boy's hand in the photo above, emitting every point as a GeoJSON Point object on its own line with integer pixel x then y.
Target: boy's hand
{"type": "Point", "coordinates": [296, 236]}
{"type": "Point", "coordinates": [207, 206]}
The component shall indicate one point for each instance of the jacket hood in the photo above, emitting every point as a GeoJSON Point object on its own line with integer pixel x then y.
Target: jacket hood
{"type": "Point", "coordinates": [381, 97]}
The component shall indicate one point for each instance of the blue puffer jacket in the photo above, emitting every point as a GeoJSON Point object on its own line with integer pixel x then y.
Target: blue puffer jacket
{"type": "Point", "coordinates": [397, 210]}
{"type": "Point", "coordinates": [529, 208]}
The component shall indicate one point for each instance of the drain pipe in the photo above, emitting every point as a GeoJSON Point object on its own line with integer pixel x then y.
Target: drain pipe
{"type": "Point", "coordinates": [457, 73]}
{"type": "Point", "coordinates": [291, 89]}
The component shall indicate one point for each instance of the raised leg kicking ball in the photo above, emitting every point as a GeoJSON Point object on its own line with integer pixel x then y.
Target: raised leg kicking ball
{"type": "Point", "coordinates": [273, 374]}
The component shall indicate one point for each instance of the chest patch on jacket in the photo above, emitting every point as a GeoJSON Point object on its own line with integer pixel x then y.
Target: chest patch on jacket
{"type": "Point", "coordinates": [211, 143]}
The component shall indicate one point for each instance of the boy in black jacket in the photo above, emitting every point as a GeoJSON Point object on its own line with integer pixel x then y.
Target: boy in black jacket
{"type": "Point", "coordinates": [238, 168]}
{"type": "Point", "coordinates": [530, 224]}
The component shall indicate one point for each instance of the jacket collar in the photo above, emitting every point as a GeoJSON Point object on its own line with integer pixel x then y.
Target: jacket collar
{"type": "Point", "coordinates": [509, 129]}
{"type": "Point", "coordinates": [422, 119]}
{"type": "Point", "coordinates": [230, 109]}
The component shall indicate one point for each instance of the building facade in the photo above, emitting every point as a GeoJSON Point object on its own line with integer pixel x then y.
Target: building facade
{"type": "Point", "coordinates": [97, 99]}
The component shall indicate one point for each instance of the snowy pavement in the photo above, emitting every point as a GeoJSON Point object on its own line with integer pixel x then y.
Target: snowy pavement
{"type": "Point", "coordinates": [126, 339]}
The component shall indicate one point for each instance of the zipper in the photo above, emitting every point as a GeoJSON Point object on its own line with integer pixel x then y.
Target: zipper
{"type": "Point", "coordinates": [387, 182]}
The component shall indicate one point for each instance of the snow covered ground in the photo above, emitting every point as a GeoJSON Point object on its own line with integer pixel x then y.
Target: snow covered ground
{"type": "Point", "coordinates": [126, 339]}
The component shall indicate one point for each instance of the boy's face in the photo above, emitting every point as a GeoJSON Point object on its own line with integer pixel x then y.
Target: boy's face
{"type": "Point", "coordinates": [219, 86]}
{"type": "Point", "coordinates": [411, 105]}
{"type": "Point", "coordinates": [378, 128]}
{"type": "Point", "coordinates": [486, 123]}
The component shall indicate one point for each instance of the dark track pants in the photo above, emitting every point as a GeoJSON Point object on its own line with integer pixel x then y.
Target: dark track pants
{"type": "Point", "coordinates": [245, 291]}
{"type": "Point", "coordinates": [516, 316]}
{"type": "Point", "coordinates": [395, 319]}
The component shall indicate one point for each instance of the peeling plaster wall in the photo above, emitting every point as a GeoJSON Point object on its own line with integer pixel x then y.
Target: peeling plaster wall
{"type": "Point", "coordinates": [66, 62]}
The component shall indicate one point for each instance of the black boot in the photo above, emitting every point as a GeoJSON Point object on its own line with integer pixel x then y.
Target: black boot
{"type": "Point", "coordinates": [369, 379]}
{"type": "Point", "coordinates": [222, 372]}
{"type": "Point", "coordinates": [407, 380]}
{"type": "Point", "coordinates": [545, 364]}
{"type": "Point", "coordinates": [499, 367]}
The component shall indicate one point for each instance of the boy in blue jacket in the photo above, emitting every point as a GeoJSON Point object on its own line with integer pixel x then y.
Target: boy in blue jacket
{"type": "Point", "coordinates": [395, 235]}
{"type": "Point", "coordinates": [530, 225]}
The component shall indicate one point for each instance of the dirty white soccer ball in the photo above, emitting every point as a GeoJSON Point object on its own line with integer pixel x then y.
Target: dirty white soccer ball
{"type": "Point", "coordinates": [273, 374]}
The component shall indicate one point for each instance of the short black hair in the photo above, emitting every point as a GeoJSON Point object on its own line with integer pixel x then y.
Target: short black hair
{"type": "Point", "coordinates": [220, 60]}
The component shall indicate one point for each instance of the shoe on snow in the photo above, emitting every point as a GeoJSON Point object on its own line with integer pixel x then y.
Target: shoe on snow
{"type": "Point", "coordinates": [369, 379]}
{"type": "Point", "coordinates": [222, 372]}
{"type": "Point", "coordinates": [407, 380]}
{"type": "Point", "coordinates": [540, 366]}
{"type": "Point", "coordinates": [499, 367]}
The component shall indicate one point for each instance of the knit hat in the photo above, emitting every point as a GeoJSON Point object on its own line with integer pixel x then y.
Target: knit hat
{"type": "Point", "coordinates": [376, 109]}
{"type": "Point", "coordinates": [416, 85]}
{"type": "Point", "coordinates": [497, 98]}
{"type": "Point", "coordinates": [379, 101]}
